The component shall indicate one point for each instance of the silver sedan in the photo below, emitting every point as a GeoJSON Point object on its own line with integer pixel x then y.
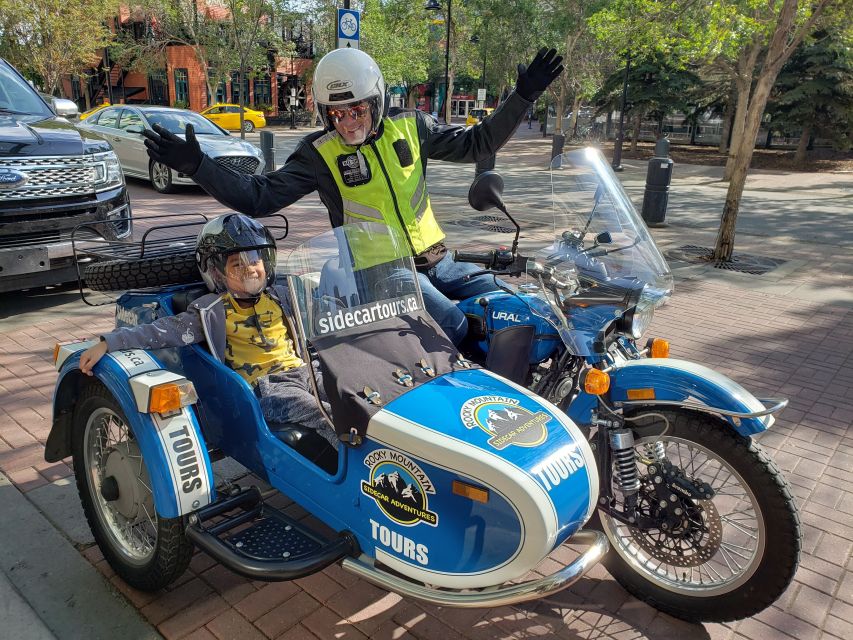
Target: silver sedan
{"type": "Point", "coordinates": [122, 126]}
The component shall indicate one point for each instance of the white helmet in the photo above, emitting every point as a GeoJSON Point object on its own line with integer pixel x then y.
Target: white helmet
{"type": "Point", "coordinates": [347, 76]}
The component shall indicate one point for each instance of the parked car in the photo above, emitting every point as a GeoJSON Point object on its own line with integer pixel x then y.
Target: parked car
{"type": "Point", "coordinates": [94, 110]}
{"type": "Point", "coordinates": [122, 125]}
{"type": "Point", "coordinates": [53, 177]}
{"type": "Point", "coordinates": [477, 115]}
{"type": "Point", "coordinates": [227, 116]}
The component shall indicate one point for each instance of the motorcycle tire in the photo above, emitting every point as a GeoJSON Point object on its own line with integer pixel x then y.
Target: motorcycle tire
{"type": "Point", "coordinates": [148, 552]}
{"type": "Point", "coordinates": [121, 275]}
{"type": "Point", "coordinates": [682, 591]}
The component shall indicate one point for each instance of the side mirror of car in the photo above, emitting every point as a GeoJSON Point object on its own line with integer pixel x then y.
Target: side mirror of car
{"type": "Point", "coordinates": [65, 108]}
{"type": "Point", "coordinates": [135, 128]}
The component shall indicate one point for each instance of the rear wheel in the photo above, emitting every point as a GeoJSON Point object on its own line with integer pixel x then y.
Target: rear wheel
{"type": "Point", "coordinates": [161, 177]}
{"type": "Point", "coordinates": [248, 126]}
{"type": "Point", "coordinates": [147, 551]}
{"type": "Point", "coordinates": [713, 560]}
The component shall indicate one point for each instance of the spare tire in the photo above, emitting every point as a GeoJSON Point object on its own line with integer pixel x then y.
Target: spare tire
{"type": "Point", "coordinates": [159, 271]}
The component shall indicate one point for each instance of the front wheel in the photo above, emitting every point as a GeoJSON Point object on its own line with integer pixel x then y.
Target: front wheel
{"type": "Point", "coordinates": [161, 177]}
{"type": "Point", "coordinates": [146, 551]}
{"type": "Point", "coordinates": [248, 126]}
{"type": "Point", "coordinates": [709, 560]}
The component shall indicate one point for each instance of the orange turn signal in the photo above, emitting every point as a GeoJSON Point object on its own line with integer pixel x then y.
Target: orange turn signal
{"type": "Point", "coordinates": [596, 382]}
{"type": "Point", "coordinates": [164, 398]}
{"type": "Point", "coordinates": [478, 494]}
{"type": "Point", "coordinates": [56, 352]}
{"type": "Point", "coordinates": [658, 348]}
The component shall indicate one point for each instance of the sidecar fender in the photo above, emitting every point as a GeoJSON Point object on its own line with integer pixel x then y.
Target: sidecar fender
{"type": "Point", "coordinates": [172, 447]}
{"type": "Point", "coordinates": [655, 380]}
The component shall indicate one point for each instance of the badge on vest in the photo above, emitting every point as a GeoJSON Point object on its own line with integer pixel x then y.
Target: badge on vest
{"type": "Point", "coordinates": [351, 171]}
{"type": "Point", "coordinates": [404, 152]}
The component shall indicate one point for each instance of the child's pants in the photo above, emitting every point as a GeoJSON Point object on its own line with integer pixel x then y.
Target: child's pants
{"type": "Point", "coordinates": [288, 397]}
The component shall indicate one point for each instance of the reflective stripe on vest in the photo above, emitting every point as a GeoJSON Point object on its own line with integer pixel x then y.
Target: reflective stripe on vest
{"type": "Point", "coordinates": [389, 181]}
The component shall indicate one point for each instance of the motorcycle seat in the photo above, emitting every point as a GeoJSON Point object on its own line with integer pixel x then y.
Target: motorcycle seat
{"type": "Point", "coordinates": [308, 443]}
{"type": "Point", "coordinates": [181, 300]}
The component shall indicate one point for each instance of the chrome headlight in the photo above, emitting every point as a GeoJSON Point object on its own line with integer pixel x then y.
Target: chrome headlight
{"type": "Point", "coordinates": [641, 318]}
{"type": "Point", "coordinates": [108, 174]}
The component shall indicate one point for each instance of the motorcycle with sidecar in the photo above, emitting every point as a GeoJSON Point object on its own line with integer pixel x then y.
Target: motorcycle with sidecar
{"type": "Point", "coordinates": [457, 473]}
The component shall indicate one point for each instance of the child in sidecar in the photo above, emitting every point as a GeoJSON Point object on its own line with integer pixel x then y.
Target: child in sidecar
{"type": "Point", "coordinates": [245, 321]}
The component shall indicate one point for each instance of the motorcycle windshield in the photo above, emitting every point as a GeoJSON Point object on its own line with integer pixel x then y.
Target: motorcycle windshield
{"type": "Point", "coordinates": [599, 236]}
{"type": "Point", "coordinates": [351, 278]}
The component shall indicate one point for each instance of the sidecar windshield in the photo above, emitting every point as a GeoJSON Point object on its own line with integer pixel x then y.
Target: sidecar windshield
{"type": "Point", "coordinates": [352, 276]}
{"type": "Point", "coordinates": [598, 233]}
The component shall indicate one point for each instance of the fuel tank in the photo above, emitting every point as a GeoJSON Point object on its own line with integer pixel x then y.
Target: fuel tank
{"type": "Point", "coordinates": [470, 480]}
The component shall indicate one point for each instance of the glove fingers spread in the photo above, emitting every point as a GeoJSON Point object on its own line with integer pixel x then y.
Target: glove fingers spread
{"type": "Point", "coordinates": [165, 134]}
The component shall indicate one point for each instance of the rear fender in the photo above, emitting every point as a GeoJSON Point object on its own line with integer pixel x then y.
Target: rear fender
{"type": "Point", "coordinates": [673, 380]}
{"type": "Point", "coordinates": [173, 447]}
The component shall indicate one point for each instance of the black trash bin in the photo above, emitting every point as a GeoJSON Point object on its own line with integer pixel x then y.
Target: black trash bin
{"type": "Point", "coordinates": [656, 197]}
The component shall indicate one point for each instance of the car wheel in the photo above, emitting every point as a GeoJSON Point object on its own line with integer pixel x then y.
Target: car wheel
{"type": "Point", "coordinates": [248, 126]}
{"type": "Point", "coordinates": [161, 177]}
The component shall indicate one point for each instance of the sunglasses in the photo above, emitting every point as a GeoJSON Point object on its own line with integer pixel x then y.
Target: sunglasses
{"type": "Point", "coordinates": [356, 112]}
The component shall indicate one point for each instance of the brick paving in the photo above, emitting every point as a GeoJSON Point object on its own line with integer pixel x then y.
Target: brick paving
{"type": "Point", "coordinates": [771, 343]}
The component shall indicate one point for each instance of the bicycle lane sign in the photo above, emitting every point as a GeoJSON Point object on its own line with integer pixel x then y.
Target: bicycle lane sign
{"type": "Point", "coordinates": [349, 28]}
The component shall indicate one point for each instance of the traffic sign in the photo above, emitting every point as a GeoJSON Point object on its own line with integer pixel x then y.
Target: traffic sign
{"type": "Point", "coordinates": [349, 28]}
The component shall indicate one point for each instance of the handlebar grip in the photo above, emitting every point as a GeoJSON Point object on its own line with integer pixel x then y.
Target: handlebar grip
{"type": "Point", "coordinates": [476, 258]}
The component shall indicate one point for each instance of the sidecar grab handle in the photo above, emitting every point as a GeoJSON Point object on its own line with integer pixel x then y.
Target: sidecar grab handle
{"type": "Point", "coordinates": [491, 596]}
{"type": "Point", "coordinates": [776, 404]}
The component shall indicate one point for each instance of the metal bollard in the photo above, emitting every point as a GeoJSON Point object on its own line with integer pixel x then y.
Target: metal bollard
{"type": "Point", "coordinates": [658, 178]}
{"type": "Point", "coordinates": [268, 150]}
{"type": "Point", "coordinates": [557, 144]}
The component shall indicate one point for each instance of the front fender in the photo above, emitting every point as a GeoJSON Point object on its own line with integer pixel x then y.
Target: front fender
{"type": "Point", "coordinates": [173, 447]}
{"type": "Point", "coordinates": [677, 381]}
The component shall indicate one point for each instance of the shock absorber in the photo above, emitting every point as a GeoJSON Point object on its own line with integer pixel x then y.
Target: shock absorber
{"type": "Point", "coordinates": [625, 464]}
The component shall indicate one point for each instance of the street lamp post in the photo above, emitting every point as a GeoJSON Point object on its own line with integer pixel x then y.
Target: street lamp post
{"type": "Point", "coordinates": [434, 5]}
{"type": "Point", "coordinates": [620, 137]}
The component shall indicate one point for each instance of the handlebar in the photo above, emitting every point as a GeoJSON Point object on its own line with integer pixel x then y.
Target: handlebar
{"type": "Point", "coordinates": [477, 258]}
{"type": "Point", "coordinates": [503, 262]}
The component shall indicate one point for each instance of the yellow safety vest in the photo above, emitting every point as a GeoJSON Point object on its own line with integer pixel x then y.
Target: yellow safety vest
{"type": "Point", "coordinates": [392, 192]}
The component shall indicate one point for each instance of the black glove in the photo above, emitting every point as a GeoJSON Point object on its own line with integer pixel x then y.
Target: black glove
{"type": "Point", "coordinates": [167, 148]}
{"type": "Point", "coordinates": [535, 78]}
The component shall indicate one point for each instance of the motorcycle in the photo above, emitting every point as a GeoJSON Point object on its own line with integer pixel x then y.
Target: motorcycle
{"type": "Point", "coordinates": [701, 522]}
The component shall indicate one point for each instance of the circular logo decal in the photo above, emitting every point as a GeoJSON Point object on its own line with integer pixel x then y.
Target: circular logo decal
{"type": "Point", "coordinates": [399, 487]}
{"type": "Point", "coordinates": [10, 179]}
{"type": "Point", "coordinates": [349, 24]}
{"type": "Point", "coordinates": [506, 421]}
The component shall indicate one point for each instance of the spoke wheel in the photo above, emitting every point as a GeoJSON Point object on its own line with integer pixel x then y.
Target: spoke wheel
{"type": "Point", "coordinates": [248, 126]}
{"type": "Point", "coordinates": [113, 481]}
{"type": "Point", "coordinates": [161, 177]}
{"type": "Point", "coordinates": [707, 560]}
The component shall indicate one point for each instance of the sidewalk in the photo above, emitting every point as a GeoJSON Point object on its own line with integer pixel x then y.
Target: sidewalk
{"type": "Point", "coordinates": [788, 332]}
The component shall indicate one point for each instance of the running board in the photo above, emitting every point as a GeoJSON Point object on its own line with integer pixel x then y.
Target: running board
{"type": "Point", "coordinates": [273, 547]}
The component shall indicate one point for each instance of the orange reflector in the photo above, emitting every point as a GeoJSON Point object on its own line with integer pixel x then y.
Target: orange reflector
{"type": "Point", "coordinates": [477, 494]}
{"type": "Point", "coordinates": [56, 352]}
{"type": "Point", "coordinates": [659, 348]}
{"type": "Point", "coordinates": [641, 394]}
{"type": "Point", "coordinates": [164, 398]}
{"type": "Point", "coordinates": [596, 382]}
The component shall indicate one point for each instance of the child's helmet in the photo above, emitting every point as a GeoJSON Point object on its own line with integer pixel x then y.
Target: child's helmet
{"type": "Point", "coordinates": [234, 233]}
{"type": "Point", "coordinates": [345, 77]}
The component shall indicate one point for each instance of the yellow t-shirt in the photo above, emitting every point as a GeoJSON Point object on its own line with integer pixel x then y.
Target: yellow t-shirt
{"type": "Point", "coordinates": [256, 339]}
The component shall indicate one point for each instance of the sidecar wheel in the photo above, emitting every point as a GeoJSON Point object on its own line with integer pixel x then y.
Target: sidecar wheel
{"type": "Point", "coordinates": [739, 551]}
{"type": "Point", "coordinates": [147, 551]}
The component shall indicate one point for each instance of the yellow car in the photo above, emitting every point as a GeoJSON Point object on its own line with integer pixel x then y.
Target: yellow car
{"type": "Point", "coordinates": [227, 116]}
{"type": "Point", "coordinates": [93, 110]}
{"type": "Point", "coordinates": [477, 115]}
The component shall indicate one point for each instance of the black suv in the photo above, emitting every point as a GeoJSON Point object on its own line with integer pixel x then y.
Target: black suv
{"type": "Point", "coordinates": [53, 177]}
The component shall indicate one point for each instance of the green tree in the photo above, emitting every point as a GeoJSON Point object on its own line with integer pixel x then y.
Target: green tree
{"type": "Point", "coordinates": [814, 91]}
{"type": "Point", "coordinates": [50, 39]}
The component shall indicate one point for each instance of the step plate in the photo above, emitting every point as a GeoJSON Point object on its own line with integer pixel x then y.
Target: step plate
{"type": "Point", "coordinates": [272, 538]}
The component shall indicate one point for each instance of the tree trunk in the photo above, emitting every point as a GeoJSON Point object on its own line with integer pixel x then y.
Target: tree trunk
{"type": "Point", "coordinates": [638, 121]}
{"type": "Point", "coordinates": [561, 108]}
{"type": "Point", "coordinates": [448, 97]}
{"type": "Point", "coordinates": [803, 145]}
{"type": "Point", "coordinates": [573, 121]}
{"type": "Point", "coordinates": [728, 119]}
{"type": "Point", "coordinates": [241, 75]}
{"type": "Point", "coordinates": [738, 124]}
{"type": "Point", "coordinates": [743, 155]}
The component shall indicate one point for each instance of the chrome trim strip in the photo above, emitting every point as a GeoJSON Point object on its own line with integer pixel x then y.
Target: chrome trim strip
{"type": "Point", "coordinates": [490, 597]}
{"type": "Point", "coordinates": [779, 404]}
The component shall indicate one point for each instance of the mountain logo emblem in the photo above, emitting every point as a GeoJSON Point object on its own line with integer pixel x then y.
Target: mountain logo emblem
{"type": "Point", "coordinates": [399, 487]}
{"type": "Point", "coordinates": [506, 421]}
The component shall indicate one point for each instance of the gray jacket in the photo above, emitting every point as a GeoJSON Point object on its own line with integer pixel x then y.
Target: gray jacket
{"type": "Point", "coordinates": [204, 320]}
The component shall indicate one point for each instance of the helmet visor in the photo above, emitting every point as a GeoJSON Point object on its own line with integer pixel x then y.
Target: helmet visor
{"type": "Point", "coordinates": [247, 273]}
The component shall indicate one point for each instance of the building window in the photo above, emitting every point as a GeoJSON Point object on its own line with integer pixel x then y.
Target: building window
{"type": "Point", "coordinates": [158, 88]}
{"type": "Point", "coordinates": [235, 87]}
{"type": "Point", "coordinates": [182, 88]}
{"type": "Point", "coordinates": [263, 96]}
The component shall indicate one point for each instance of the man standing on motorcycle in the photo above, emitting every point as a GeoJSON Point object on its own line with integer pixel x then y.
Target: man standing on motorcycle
{"type": "Point", "coordinates": [370, 165]}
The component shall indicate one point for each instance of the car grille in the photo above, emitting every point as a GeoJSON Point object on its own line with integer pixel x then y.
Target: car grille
{"type": "Point", "coordinates": [51, 177]}
{"type": "Point", "coordinates": [243, 164]}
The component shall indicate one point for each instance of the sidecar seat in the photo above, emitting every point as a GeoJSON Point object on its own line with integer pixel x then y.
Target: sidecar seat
{"type": "Point", "coordinates": [306, 442]}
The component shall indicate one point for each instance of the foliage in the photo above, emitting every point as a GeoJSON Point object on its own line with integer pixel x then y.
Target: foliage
{"type": "Point", "coordinates": [181, 104]}
{"type": "Point", "coordinates": [50, 39]}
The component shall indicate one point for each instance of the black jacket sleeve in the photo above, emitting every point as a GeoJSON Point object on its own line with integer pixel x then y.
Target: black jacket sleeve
{"type": "Point", "coordinates": [456, 143]}
{"type": "Point", "coordinates": [260, 195]}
